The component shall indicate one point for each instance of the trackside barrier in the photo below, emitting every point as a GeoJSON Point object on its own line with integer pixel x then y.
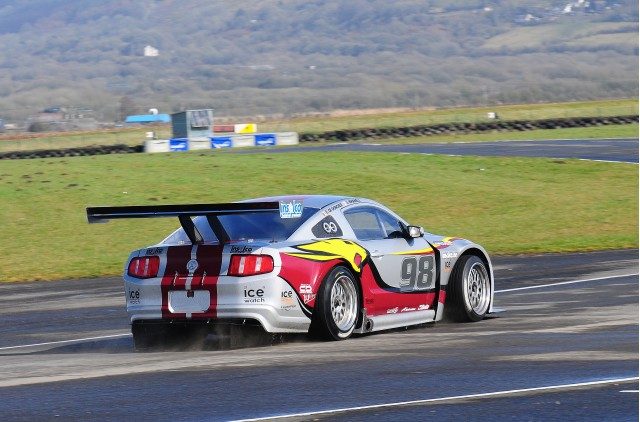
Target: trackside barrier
{"type": "Point", "coordinates": [292, 138]}
{"type": "Point", "coordinates": [224, 141]}
{"type": "Point", "coordinates": [199, 143]}
{"type": "Point", "coordinates": [179, 144]}
{"type": "Point", "coordinates": [239, 141]}
{"type": "Point", "coordinates": [287, 138]}
{"type": "Point", "coordinates": [156, 145]}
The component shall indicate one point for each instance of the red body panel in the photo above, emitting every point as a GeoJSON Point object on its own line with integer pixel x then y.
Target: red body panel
{"type": "Point", "coordinates": [376, 299]}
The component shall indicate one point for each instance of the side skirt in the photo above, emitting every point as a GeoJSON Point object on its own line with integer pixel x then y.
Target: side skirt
{"type": "Point", "coordinates": [387, 322]}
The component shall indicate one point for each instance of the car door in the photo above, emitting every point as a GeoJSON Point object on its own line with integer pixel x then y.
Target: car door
{"type": "Point", "coordinates": [404, 264]}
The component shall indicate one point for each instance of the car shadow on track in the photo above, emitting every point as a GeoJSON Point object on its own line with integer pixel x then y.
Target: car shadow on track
{"type": "Point", "coordinates": [232, 339]}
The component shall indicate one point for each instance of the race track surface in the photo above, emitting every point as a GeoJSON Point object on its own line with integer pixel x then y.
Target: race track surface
{"type": "Point", "coordinates": [562, 351]}
{"type": "Point", "coordinates": [616, 150]}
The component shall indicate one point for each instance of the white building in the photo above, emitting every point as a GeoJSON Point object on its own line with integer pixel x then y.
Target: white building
{"type": "Point", "coordinates": [150, 51]}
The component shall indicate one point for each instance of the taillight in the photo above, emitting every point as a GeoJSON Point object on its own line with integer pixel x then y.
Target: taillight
{"type": "Point", "coordinates": [144, 267]}
{"type": "Point", "coordinates": [244, 265]}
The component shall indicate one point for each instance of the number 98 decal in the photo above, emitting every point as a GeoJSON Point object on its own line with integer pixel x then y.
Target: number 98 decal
{"type": "Point", "coordinates": [418, 274]}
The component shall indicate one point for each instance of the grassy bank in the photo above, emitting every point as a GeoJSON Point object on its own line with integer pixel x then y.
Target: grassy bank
{"type": "Point", "coordinates": [461, 114]}
{"type": "Point", "coordinates": [510, 205]}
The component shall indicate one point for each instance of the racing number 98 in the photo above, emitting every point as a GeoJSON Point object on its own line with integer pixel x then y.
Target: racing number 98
{"type": "Point", "coordinates": [417, 274]}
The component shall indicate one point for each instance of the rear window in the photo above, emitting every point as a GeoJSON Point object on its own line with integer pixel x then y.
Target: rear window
{"type": "Point", "coordinates": [264, 226]}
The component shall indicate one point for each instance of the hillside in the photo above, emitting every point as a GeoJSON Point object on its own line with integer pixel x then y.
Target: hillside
{"type": "Point", "coordinates": [283, 56]}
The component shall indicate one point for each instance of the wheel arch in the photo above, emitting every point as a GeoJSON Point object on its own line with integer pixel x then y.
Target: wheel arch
{"type": "Point", "coordinates": [477, 251]}
{"type": "Point", "coordinates": [358, 278]}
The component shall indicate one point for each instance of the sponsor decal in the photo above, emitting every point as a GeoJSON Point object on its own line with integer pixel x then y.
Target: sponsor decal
{"type": "Point", "coordinates": [305, 288]}
{"type": "Point", "coordinates": [407, 309]}
{"type": "Point", "coordinates": [449, 255]}
{"type": "Point", "coordinates": [340, 205]}
{"type": "Point", "coordinates": [307, 293]}
{"type": "Point", "coordinates": [134, 297]}
{"type": "Point", "coordinates": [330, 227]}
{"type": "Point", "coordinates": [329, 249]}
{"type": "Point", "coordinates": [392, 310]}
{"type": "Point", "coordinates": [423, 307]}
{"type": "Point", "coordinates": [192, 266]}
{"type": "Point", "coordinates": [445, 242]}
{"type": "Point", "coordinates": [287, 300]}
{"type": "Point", "coordinates": [447, 265]}
{"type": "Point", "coordinates": [241, 249]}
{"type": "Point", "coordinates": [154, 251]}
{"type": "Point", "coordinates": [253, 295]}
{"type": "Point", "coordinates": [291, 209]}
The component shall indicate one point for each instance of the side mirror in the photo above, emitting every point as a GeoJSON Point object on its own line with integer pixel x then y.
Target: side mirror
{"type": "Point", "coordinates": [415, 231]}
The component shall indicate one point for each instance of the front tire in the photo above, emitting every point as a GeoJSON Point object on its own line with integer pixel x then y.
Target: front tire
{"type": "Point", "coordinates": [468, 291]}
{"type": "Point", "coordinates": [337, 304]}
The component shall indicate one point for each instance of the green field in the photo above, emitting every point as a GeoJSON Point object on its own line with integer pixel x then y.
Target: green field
{"type": "Point", "coordinates": [136, 136]}
{"type": "Point", "coordinates": [461, 114]}
{"type": "Point", "coordinates": [510, 205]}
{"type": "Point", "coordinates": [576, 33]}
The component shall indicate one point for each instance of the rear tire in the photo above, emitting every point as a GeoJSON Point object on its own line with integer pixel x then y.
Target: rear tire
{"type": "Point", "coordinates": [468, 291]}
{"type": "Point", "coordinates": [337, 305]}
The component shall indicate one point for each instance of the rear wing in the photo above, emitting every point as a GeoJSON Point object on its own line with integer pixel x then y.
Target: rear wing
{"type": "Point", "coordinates": [184, 214]}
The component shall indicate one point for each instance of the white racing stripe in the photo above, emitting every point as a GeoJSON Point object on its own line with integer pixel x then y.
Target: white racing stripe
{"type": "Point", "coordinates": [584, 280]}
{"type": "Point", "coordinates": [77, 340]}
{"type": "Point", "coordinates": [443, 399]}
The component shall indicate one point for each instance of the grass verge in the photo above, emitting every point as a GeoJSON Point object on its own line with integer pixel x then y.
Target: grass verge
{"type": "Point", "coordinates": [509, 205]}
{"type": "Point", "coordinates": [596, 132]}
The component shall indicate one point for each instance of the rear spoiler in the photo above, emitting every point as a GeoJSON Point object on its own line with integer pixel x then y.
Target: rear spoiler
{"type": "Point", "coordinates": [184, 214]}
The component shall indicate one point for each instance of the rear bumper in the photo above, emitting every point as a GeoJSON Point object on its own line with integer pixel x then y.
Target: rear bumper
{"type": "Point", "coordinates": [267, 299]}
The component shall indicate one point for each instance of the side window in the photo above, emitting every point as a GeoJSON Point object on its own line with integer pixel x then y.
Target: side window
{"type": "Point", "coordinates": [391, 225]}
{"type": "Point", "coordinates": [327, 227]}
{"type": "Point", "coordinates": [364, 223]}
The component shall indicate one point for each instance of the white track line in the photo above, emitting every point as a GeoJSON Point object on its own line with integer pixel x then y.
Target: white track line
{"type": "Point", "coordinates": [584, 280]}
{"type": "Point", "coordinates": [608, 161]}
{"type": "Point", "coordinates": [78, 340]}
{"type": "Point", "coordinates": [443, 399]}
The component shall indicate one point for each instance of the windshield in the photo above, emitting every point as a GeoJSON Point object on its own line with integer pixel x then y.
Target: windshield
{"type": "Point", "coordinates": [250, 225]}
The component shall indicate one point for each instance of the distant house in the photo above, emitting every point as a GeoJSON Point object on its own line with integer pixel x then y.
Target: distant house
{"type": "Point", "coordinates": [142, 119]}
{"type": "Point", "coordinates": [150, 51]}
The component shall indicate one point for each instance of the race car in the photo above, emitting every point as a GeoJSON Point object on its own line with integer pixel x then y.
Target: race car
{"type": "Point", "coordinates": [326, 265]}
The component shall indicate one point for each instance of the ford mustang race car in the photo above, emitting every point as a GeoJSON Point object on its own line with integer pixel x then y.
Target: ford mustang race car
{"type": "Point", "coordinates": [328, 265]}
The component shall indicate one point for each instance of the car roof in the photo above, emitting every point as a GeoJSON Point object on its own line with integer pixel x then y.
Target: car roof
{"type": "Point", "coordinates": [312, 201]}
